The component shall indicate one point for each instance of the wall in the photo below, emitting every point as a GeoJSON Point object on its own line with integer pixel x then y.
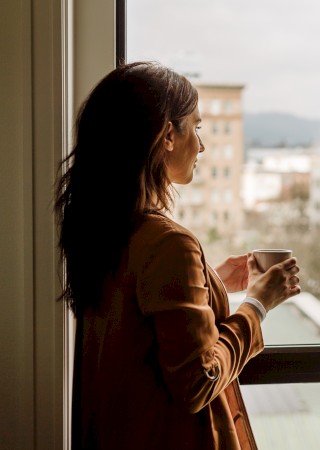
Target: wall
{"type": "Point", "coordinates": [32, 127]}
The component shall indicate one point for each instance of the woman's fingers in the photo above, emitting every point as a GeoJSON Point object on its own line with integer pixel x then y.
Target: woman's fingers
{"type": "Point", "coordinates": [252, 264]}
{"type": "Point", "coordinates": [294, 280]}
{"type": "Point", "coordinates": [295, 290]}
{"type": "Point", "coordinates": [290, 264]}
{"type": "Point", "coordinates": [294, 270]}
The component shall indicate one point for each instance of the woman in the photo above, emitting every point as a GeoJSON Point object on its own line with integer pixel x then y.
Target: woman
{"type": "Point", "coordinates": [157, 353]}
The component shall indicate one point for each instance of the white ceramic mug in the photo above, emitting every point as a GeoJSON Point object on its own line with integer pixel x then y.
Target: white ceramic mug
{"type": "Point", "coordinates": [267, 257]}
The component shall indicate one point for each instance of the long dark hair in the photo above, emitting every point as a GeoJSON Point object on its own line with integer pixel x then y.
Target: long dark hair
{"type": "Point", "coordinates": [115, 171]}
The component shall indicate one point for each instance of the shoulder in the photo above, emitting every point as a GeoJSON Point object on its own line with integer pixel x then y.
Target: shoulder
{"type": "Point", "coordinates": [156, 226]}
{"type": "Point", "coordinates": [158, 236]}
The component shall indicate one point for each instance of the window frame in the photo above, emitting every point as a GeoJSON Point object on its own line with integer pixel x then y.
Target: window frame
{"type": "Point", "coordinates": [283, 364]}
{"type": "Point", "coordinates": [121, 31]}
{"type": "Point", "coordinates": [275, 364]}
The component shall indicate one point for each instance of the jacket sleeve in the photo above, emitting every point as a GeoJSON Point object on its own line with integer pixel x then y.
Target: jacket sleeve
{"type": "Point", "coordinates": [198, 358]}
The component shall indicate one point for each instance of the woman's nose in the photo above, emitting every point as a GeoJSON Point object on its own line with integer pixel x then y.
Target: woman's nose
{"type": "Point", "coordinates": [202, 147]}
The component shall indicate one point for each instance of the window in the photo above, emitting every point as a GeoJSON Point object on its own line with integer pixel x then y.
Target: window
{"type": "Point", "coordinates": [263, 81]}
{"type": "Point", "coordinates": [227, 195]}
{"type": "Point", "coordinates": [280, 408]}
{"type": "Point", "coordinates": [226, 172]}
{"type": "Point", "coordinates": [214, 172]}
{"type": "Point", "coordinates": [227, 128]}
{"type": "Point", "coordinates": [228, 151]}
{"type": "Point", "coordinates": [262, 144]}
{"type": "Point", "coordinates": [181, 214]}
{"type": "Point", "coordinates": [215, 128]}
{"type": "Point", "coordinates": [227, 106]}
{"type": "Point", "coordinates": [214, 216]}
{"type": "Point", "coordinates": [215, 196]}
{"type": "Point", "coordinates": [215, 107]}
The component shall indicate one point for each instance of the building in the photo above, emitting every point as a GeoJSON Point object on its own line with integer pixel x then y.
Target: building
{"type": "Point", "coordinates": [275, 174]}
{"type": "Point", "coordinates": [211, 204]}
{"type": "Point", "coordinates": [314, 205]}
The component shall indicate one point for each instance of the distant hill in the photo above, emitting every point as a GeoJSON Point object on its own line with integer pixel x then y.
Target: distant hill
{"type": "Point", "coordinates": [278, 129]}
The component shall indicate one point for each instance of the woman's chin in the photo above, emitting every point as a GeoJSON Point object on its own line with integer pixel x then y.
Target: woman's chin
{"type": "Point", "coordinates": [183, 180]}
{"type": "Point", "coordinates": [188, 179]}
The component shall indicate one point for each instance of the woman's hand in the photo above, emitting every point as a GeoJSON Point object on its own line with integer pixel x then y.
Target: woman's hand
{"type": "Point", "coordinates": [234, 273]}
{"type": "Point", "coordinates": [274, 286]}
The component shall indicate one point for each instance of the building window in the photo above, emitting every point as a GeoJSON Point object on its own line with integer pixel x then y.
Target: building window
{"type": "Point", "coordinates": [215, 107]}
{"type": "Point", "coordinates": [215, 216]}
{"type": "Point", "coordinates": [214, 172]}
{"type": "Point", "coordinates": [215, 128]}
{"type": "Point", "coordinates": [228, 151]}
{"type": "Point", "coordinates": [226, 172]}
{"type": "Point", "coordinates": [227, 195]}
{"type": "Point", "coordinates": [215, 196]}
{"type": "Point", "coordinates": [227, 128]}
{"type": "Point", "coordinates": [227, 106]}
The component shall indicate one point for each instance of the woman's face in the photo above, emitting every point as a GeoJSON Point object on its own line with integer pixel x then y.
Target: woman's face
{"type": "Point", "coordinates": [183, 148]}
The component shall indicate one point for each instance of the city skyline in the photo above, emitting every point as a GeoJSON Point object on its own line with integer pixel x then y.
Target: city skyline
{"type": "Point", "coordinates": [272, 48]}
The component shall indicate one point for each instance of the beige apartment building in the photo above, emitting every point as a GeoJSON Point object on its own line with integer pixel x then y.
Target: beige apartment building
{"type": "Point", "coordinates": [314, 205]}
{"type": "Point", "coordinates": [211, 205]}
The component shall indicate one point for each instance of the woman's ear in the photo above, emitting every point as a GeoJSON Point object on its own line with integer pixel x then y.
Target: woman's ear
{"type": "Point", "coordinates": [169, 137]}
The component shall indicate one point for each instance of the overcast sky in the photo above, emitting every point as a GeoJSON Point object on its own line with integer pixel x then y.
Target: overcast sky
{"type": "Point", "coordinates": [270, 46]}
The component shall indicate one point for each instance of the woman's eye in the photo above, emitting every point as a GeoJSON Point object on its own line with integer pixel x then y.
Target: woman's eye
{"type": "Point", "coordinates": [198, 129]}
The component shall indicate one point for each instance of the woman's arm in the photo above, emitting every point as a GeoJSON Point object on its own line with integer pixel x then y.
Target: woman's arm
{"type": "Point", "coordinates": [174, 290]}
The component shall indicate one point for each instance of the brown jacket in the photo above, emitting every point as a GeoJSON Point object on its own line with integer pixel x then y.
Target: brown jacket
{"type": "Point", "coordinates": [142, 360]}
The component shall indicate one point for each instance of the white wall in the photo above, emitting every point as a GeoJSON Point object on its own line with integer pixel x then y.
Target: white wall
{"type": "Point", "coordinates": [31, 127]}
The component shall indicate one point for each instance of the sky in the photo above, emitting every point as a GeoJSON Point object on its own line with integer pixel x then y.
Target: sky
{"type": "Point", "coordinates": [272, 47]}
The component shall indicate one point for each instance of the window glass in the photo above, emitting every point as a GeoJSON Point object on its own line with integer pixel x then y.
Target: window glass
{"type": "Point", "coordinates": [215, 127]}
{"type": "Point", "coordinates": [214, 172]}
{"type": "Point", "coordinates": [257, 88]}
{"type": "Point", "coordinates": [228, 151]}
{"type": "Point", "coordinates": [227, 128]}
{"type": "Point", "coordinates": [284, 416]}
{"type": "Point", "coordinates": [215, 107]}
{"type": "Point", "coordinates": [226, 172]}
{"type": "Point", "coordinates": [215, 196]}
{"type": "Point", "coordinates": [295, 322]}
{"type": "Point", "coordinates": [227, 195]}
{"type": "Point", "coordinates": [227, 106]}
